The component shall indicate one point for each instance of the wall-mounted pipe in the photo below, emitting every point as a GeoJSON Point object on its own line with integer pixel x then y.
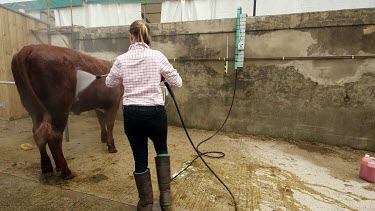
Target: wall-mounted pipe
{"type": "Point", "coordinates": [246, 58]}
{"type": "Point", "coordinates": [275, 58]}
{"type": "Point", "coordinates": [232, 59]}
{"type": "Point", "coordinates": [7, 82]}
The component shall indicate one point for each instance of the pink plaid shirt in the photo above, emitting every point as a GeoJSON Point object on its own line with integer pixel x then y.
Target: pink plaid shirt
{"type": "Point", "coordinates": [140, 70]}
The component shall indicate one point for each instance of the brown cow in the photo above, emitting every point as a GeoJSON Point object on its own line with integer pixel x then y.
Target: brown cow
{"type": "Point", "coordinates": [46, 79]}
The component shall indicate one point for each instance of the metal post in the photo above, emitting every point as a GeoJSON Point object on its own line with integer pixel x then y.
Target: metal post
{"type": "Point", "coordinates": [71, 19]}
{"type": "Point", "coordinates": [144, 13]}
{"type": "Point", "coordinates": [48, 24]}
{"type": "Point", "coordinates": [48, 13]}
{"type": "Point", "coordinates": [254, 7]}
{"type": "Point", "coordinates": [72, 43]}
{"type": "Point", "coordinates": [182, 7]}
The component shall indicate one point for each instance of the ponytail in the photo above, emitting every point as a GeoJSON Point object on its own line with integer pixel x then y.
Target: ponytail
{"type": "Point", "coordinates": [141, 31]}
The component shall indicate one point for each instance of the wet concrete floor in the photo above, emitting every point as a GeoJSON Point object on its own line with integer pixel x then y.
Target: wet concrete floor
{"type": "Point", "coordinates": [261, 172]}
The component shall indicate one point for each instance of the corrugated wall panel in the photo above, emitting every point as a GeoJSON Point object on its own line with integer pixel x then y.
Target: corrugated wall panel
{"type": "Point", "coordinates": [15, 33]}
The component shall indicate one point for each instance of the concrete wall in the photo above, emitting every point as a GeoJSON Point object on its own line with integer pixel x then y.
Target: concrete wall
{"type": "Point", "coordinates": [323, 100]}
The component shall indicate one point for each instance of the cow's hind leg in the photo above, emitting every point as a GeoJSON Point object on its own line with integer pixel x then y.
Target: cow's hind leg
{"type": "Point", "coordinates": [101, 118]}
{"type": "Point", "coordinates": [55, 145]}
{"type": "Point", "coordinates": [45, 161]}
{"type": "Point", "coordinates": [110, 122]}
{"type": "Point", "coordinates": [40, 130]}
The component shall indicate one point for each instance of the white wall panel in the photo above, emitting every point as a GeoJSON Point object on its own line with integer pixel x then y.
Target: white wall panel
{"type": "Point", "coordinates": [190, 10]}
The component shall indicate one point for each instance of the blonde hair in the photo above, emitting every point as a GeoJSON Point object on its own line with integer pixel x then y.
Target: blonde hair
{"type": "Point", "coordinates": [141, 31]}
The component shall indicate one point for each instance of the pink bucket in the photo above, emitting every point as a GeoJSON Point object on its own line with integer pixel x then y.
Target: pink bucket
{"type": "Point", "coordinates": [367, 170]}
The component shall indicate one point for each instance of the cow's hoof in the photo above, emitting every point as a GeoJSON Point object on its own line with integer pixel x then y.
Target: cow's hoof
{"type": "Point", "coordinates": [46, 177]}
{"type": "Point", "coordinates": [112, 148]}
{"type": "Point", "coordinates": [47, 168]}
{"type": "Point", "coordinates": [66, 176]}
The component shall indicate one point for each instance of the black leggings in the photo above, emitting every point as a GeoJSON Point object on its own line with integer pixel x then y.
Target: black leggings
{"type": "Point", "coordinates": [141, 123]}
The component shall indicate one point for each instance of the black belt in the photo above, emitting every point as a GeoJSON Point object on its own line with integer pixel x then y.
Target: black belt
{"type": "Point", "coordinates": [142, 108]}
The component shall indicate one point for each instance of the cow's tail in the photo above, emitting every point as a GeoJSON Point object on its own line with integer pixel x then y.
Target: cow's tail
{"type": "Point", "coordinates": [42, 120]}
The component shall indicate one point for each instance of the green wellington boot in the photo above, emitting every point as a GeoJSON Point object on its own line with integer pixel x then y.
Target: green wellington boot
{"type": "Point", "coordinates": [144, 186]}
{"type": "Point", "coordinates": [163, 171]}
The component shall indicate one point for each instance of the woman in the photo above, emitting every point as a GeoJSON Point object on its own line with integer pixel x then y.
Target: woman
{"type": "Point", "coordinates": [140, 70]}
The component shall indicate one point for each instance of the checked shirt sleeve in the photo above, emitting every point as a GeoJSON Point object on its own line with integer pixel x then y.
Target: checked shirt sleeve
{"type": "Point", "coordinates": [169, 73]}
{"type": "Point", "coordinates": [114, 77]}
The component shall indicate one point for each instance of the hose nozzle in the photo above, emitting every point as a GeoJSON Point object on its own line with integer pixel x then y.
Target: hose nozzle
{"type": "Point", "coordinates": [169, 89]}
{"type": "Point", "coordinates": [101, 76]}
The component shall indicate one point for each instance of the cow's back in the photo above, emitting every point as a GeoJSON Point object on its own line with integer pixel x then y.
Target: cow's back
{"type": "Point", "coordinates": [97, 94]}
{"type": "Point", "coordinates": [46, 78]}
